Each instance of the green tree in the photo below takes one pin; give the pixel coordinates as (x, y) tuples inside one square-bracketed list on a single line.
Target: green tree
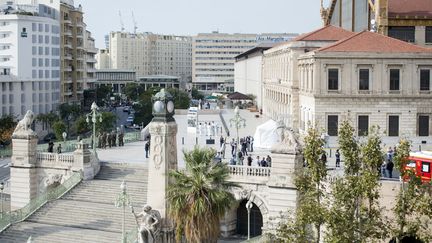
[(7, 126), (143, 110), (199, 196), (181, 98), (47, 120), (310, 183), (197, 95), (413, 203), (81, 125), (133, 91), (69, 111), (108, 122), (103, 94), (59, 127), (355, 214)]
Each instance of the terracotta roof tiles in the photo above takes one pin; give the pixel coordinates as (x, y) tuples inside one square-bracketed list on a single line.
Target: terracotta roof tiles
[(327, 33), (410, 8), (366, 41)]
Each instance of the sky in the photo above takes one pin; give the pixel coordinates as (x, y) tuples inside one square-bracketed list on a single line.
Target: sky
[(189, 17)]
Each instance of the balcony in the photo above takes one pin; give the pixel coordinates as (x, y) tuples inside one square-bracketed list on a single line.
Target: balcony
[(68, 80), (67, 21), (68, 45), (67, 32), (249, 174), (67, 69), (67, 92), (91, 60), (67, 57)]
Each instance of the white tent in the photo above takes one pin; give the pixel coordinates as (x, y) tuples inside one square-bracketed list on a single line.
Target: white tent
[(266, 135)]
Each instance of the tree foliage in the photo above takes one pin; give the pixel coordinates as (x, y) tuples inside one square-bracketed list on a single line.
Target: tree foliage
[(133, 91), (310, 183), (196, 94), (103, 93), (7, 126), (81, 125), (413, 204), (108, 122), (59, 127), (199, 196), (355, 215), (181, 98)]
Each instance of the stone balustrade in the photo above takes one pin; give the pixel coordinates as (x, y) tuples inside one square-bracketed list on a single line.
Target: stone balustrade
[(55, 160), (249, 174)]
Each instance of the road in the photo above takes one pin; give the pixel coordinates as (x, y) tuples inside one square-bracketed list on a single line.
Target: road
[(5, 169)]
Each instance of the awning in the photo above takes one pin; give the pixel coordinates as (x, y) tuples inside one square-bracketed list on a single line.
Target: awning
[(238, 96)]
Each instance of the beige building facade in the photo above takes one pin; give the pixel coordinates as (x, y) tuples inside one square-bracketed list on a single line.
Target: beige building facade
[(151, 54), (367, 78), (76, 54)]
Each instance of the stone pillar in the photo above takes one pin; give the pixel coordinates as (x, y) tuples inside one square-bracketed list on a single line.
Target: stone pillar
[(282, 190), (82, 161), (23, 171), (163, 158)]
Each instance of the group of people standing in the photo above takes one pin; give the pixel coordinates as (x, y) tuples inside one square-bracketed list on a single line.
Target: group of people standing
[(51, 147), (110, 139), (388, 165)]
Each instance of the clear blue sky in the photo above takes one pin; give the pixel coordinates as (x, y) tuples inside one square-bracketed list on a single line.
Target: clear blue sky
[(189, 17)]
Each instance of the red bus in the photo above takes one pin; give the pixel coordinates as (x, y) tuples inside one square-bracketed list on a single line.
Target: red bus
[(421, 163)]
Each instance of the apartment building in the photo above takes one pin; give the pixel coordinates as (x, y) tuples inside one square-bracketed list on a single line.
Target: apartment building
[(410, 21), (29, 59), (152, 54), (214, 57), (103, 59)]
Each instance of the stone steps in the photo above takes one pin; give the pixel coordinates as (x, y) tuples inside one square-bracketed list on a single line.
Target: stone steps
[(87, 213), (47, 233)]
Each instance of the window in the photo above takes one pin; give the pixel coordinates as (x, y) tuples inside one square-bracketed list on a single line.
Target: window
[(40, 62), (34, 50), (364, 79), (47, 62), (47, 39), (404, 33), (425, 167), (363, 125), (40, 38), (47, 50), (423, 125), (34, 62), (34, 75), (424, 79), (34, 28), (40, 27), (33, 38), (393, 128), (394, 79), (332, 125), (40, 50), (428, 36), (46, 27), (333, 79)]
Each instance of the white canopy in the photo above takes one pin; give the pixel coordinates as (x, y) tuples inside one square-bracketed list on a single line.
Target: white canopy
[(266, 135)]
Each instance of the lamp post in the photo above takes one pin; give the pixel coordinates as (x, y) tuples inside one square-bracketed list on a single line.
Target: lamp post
[(249, 206), (123, 201), (94, 115), (1, 197), (237, 121)]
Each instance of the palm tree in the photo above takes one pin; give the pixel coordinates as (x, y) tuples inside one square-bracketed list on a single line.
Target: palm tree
[(199, 196)]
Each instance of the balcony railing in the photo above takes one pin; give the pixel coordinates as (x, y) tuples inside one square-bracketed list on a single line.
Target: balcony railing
[(249, 174)]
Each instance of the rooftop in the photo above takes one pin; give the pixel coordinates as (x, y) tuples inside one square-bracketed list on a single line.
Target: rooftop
[(366, 41), (327, 33), (259, 48), (410, 8)]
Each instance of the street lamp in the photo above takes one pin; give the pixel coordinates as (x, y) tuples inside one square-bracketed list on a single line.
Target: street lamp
[(123, 201), (1, 197), (237, 121), (249, 206), (94, 114)]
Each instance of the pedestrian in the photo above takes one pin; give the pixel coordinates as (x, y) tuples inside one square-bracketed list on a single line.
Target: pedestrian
[(233, 145), (50, 147), (389, 154), (233, 161), (268, 161), (324, 158), (249, 160), (147, 148), (337, 154), (257, 161), (221, 140), (263, 162), (222, 151), (59, 149), (389, 168), (251, 143), (244, 147)]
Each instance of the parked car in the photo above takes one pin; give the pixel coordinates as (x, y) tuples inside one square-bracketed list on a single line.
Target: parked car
[(130, 119), (126, 109)]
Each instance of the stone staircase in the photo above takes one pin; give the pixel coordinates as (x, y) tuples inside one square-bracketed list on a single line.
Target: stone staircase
[(87, 213)]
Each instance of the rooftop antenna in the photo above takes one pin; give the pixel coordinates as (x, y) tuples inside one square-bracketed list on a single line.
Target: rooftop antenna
[(135, 23), (121, 22)]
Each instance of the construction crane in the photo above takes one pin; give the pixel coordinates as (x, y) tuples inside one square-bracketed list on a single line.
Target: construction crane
[(135, 23), (121, 22)]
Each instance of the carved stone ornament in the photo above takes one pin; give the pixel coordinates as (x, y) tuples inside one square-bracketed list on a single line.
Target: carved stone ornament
[(289, 143), (149, 223), (23, 126)]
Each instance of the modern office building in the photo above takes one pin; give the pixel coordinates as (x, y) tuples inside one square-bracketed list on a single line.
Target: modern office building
[(162, 81), (410, 21), (115, 78), (103, 59), (29, 59), (152, 54), (77, 53), (214, 57)]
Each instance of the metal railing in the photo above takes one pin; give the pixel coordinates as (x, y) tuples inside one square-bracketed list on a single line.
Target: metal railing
[(9, 218)]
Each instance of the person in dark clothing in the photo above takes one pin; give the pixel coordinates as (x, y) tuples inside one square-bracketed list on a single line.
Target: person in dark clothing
[(264, 162), (147, 148), (337, 154), (222, 141), (389, 168), (249, 160), (324, 158), (50, 147)]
